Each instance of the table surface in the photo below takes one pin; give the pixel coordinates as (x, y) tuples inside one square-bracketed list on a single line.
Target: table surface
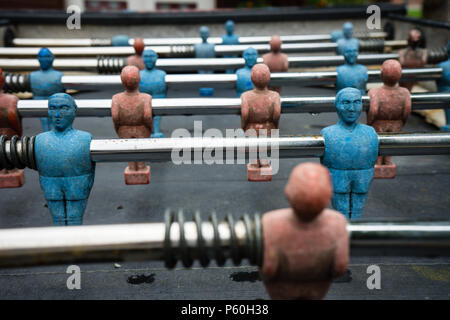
[(420, 190)]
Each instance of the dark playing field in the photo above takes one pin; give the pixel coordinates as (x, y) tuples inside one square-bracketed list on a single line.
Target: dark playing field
[(420, 190)]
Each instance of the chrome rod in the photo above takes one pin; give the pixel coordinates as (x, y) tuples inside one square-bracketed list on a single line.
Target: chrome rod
[(21, 82), (211, 106), (145, 241), (125, 150), (54, 42), (229, 80), (108, 64), (416, 238), (188, 50)]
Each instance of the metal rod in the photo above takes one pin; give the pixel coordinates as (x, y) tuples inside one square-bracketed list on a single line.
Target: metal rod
[(188, 50), (135, 242), (143, 241), (115, 64), (54, 42), (21, 82), (126, 150), (399, 238), (211, 106), (229, 80)]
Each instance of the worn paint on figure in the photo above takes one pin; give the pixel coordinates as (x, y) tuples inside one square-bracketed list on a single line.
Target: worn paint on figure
[(131, 113), (136, 59), (275, 59), (390, 107), (260, 110), (304, 269), (351, 150), (10, 125)]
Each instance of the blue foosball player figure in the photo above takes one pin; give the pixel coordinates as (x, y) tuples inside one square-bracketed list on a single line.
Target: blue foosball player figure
[(337, 34), (153, 82), (244, 75), (443, 85), (66, 172), (229, 39), (205, 50), (45, 82), (351, 74), (347, 39), (351, 151), (120, 40)]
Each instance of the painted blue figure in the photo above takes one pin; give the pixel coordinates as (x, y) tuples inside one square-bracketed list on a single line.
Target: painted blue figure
[(244, 75), (45, 82), (351, 74), (336, 35), (444, 85), (205, 50), (120, 40), (351, 150), (66, 172), (229, 39), (153, 82), (343, 43)]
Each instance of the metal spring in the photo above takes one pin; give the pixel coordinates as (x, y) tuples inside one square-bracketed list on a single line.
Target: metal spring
[(253, 251), (110, 65), (374, 45), (362, 34), (437, 55), (182, 51), (16, 82), (17, 152)]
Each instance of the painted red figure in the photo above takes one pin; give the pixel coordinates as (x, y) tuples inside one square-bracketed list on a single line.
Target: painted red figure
[(275, 59), (412, 56), (136, 60), (131, 113), (390, 107), (10, 125), (260, 112), (305, 246)]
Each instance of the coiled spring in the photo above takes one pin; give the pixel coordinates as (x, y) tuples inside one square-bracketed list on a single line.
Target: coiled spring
[(253, 249), (362, 35), (17, 152), (374, 45), (182, 51), (110, 65), (437, 55), (15, 82)]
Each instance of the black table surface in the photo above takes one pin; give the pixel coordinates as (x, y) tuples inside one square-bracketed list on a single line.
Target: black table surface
[(420, 190)]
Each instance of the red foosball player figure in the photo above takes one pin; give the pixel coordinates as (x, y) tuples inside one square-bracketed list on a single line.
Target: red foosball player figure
[(306, 246), (136, 59), (260, 113), (390, 107), (412, 56), (275, 59), (131, 113), (10, 125)]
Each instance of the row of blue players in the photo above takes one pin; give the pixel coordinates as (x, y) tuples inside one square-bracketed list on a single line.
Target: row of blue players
[(47, 81)]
